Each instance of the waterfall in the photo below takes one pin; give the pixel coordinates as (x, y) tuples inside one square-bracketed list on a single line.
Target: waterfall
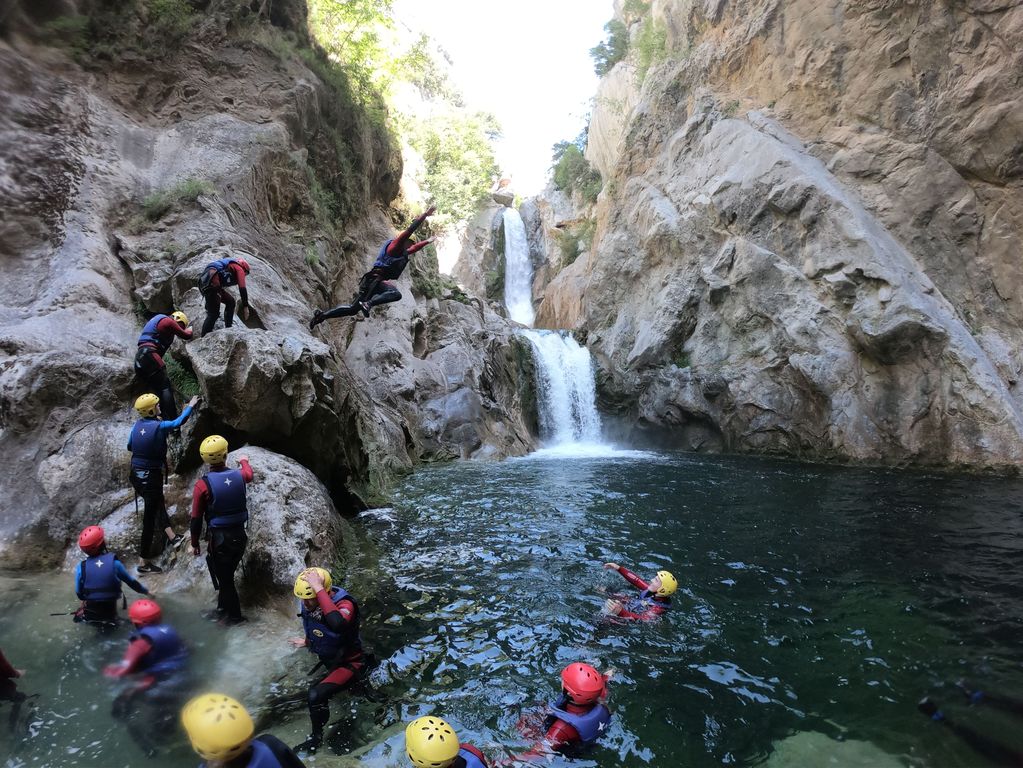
[(566, 396), (518, 269)]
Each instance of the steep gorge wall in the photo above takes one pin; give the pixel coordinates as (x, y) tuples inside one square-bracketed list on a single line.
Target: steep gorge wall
[(231, 108), (810, 234)]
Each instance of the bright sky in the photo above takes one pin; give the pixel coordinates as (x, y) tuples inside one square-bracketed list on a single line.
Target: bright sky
[(527, 62)]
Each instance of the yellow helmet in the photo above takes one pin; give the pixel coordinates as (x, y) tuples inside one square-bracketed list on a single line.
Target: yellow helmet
[(668, 584), (302, 588), (181, 317), (213, 450), (218, 726), (146, 405), (431, 743)]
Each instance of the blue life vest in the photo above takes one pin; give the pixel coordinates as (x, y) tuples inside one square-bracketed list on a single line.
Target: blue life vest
[(262, 756), (167, 655), (472, 760), (150, 336), (148, 444), (227, 275), (321, 639), (590, 726), (227, 499), (391, 265), (99, 580)]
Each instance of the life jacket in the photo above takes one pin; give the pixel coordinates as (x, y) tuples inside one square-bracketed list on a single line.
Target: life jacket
[(149, 334), (227, 499), (590, 726), (391, 265), (262, 756), (168, 653), (99, 579), (472, 756), (645, 602), (148, 444), (321, 639), (222, 270)]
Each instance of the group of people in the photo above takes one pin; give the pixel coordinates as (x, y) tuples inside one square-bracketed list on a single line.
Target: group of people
[(156, 660)]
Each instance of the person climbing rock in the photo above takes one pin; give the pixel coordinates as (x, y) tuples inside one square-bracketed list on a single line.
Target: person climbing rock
[(219, 498), (213, 282), (431, 743), (98, 579), (157, 336), (995, 751), (8, 674), (221, 732), (374, 288), (576, 719), (654, 598), (148, 445), (330, 618), (158, 660)]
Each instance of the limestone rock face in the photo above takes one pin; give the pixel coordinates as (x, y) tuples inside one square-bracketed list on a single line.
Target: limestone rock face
[(809, 235), (119, 185), (480, 266)]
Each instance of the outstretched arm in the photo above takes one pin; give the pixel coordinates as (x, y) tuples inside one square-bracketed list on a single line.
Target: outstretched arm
[(132, 658), (419, 246), (630, 577), (123, 575), (398, 243)]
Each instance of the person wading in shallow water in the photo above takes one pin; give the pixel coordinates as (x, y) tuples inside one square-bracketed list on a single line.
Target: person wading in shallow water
[(219, 499), (431, 743), (157, 659), (997, 753), (148, 445), (98, 580), (330, 618), (156, 338), (221, 732), (374, 288), (654, 598)]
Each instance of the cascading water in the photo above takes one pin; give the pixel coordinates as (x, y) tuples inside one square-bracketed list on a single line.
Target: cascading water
[(564, 369), (518, 270)]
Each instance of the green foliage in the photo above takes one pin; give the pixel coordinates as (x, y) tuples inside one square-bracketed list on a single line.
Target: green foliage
[(156, 205), (68, 31), (651, 46), (730, 108), (633, 10), (612, 49), (419, 67), (681, 359), (460, 163), (351, 34), (573, 172), (312, 256), (169, 20), (182, 378), (568, 246)]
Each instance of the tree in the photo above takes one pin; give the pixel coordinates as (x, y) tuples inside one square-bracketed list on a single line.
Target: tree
[(613, 49)]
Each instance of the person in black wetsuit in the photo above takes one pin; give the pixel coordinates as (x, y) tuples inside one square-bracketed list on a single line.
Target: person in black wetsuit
[(994, 751), (374, 288), (222, 731)]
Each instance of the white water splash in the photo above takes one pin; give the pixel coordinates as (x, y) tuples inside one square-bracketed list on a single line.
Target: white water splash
[(518, 269), (566, 394)]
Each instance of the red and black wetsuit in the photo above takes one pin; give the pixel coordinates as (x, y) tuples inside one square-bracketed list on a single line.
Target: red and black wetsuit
[(216, 293), (226, 535), (8, 674), (339, 613), (374, 288), (647, 607), (156, 338)]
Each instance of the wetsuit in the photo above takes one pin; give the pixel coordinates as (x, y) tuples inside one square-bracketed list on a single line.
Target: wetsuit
[(469, 757), (217, 276), (159, 656), (148, 445), (374, 288), (332, 633), (98, 582), (219, 499), (568, 728), (8, 674), (646, 607), (266, 751), (996, 752), (156, 337)]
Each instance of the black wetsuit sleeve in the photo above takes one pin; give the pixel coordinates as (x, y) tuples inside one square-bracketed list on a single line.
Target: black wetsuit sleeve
[(244, 294), (281, 751)]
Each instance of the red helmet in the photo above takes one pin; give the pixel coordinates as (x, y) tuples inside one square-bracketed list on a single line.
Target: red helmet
[(91, 540), (582, 683), (144, 612), (244, 265)]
